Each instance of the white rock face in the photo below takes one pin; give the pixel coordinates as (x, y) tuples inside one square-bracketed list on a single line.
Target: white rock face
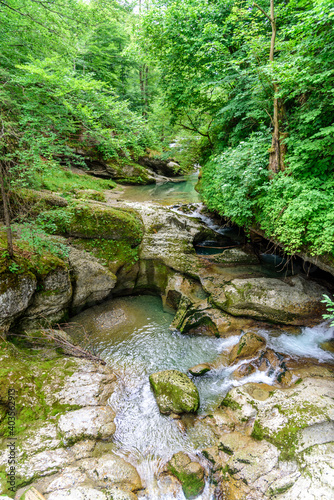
[(298, 462), (91, 384), (91, 422)]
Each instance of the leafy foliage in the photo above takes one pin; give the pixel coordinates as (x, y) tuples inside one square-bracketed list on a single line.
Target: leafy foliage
[(219, 82)]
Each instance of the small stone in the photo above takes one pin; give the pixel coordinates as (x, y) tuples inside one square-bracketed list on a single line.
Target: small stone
[(249, 345), (200, 369)]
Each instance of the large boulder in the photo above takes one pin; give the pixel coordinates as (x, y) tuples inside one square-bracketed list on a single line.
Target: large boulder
[(93, 282), (168, 167), (93, 220), (16, 291), (50, 302), (293, 301), (174, 392), (190, 474)]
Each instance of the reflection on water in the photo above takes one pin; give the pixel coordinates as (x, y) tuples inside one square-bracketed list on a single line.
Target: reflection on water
[(168, 193)]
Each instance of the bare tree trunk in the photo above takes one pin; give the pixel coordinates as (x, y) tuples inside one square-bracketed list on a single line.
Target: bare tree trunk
[(6, 211), (276, 159)]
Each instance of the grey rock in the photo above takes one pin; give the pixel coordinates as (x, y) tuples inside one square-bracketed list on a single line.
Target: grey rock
[(16, 291), (111, 470), (293, 301), (50, 303), (93, 282)]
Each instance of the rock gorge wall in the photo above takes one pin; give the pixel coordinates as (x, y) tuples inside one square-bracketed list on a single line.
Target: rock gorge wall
[(215, 296)]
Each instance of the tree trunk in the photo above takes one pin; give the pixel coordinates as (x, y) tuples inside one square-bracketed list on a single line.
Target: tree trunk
[(6, 211), (276, 159), (275, 154)]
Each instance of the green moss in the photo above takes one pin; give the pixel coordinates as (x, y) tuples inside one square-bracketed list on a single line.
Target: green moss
[(191, 484), (65, 181), (228, 402), (29, 373), (225, 449), (113, 254), (279, 491), (26, 259), (258, 431)]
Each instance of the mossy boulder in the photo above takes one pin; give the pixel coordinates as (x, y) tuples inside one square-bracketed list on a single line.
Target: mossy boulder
[(174, 392), (199, 370), (190, 474), (129, 173), (96, 221), (248, 346)]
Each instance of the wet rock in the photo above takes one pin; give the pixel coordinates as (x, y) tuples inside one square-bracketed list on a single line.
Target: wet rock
[(190, 474), (111, 470), (249, 345), (93, 282), (168, 168), (236, 256), (16, 291), (199, 370), (92, 422), (50, 302), (328, 345), (293, 301), (174, 392), (285, 378)]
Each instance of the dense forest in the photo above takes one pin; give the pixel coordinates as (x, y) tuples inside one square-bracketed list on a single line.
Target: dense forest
[(246, 89)]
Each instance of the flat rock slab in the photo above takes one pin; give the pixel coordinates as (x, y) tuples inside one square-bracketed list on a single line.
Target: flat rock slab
[(90, 422), (174, 392)]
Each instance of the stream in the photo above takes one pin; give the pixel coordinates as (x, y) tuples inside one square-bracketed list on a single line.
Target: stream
[(133, 335)]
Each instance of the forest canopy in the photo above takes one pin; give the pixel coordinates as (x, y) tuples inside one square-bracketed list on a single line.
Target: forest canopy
[(247, 88)]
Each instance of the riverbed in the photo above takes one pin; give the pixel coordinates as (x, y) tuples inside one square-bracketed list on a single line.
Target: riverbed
[(133, 335)]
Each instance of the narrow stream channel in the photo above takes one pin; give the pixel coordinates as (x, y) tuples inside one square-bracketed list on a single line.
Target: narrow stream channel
[(133, 335)]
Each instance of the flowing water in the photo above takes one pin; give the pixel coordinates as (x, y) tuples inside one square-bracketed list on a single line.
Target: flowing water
[(133, 335)]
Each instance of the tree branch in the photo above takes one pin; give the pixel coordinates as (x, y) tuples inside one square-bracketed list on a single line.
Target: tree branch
[(263, 12)]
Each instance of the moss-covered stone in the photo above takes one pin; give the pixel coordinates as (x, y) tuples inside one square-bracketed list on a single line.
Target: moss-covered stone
[(96, 222), (190, 474), (174, 392), (129, 173)]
